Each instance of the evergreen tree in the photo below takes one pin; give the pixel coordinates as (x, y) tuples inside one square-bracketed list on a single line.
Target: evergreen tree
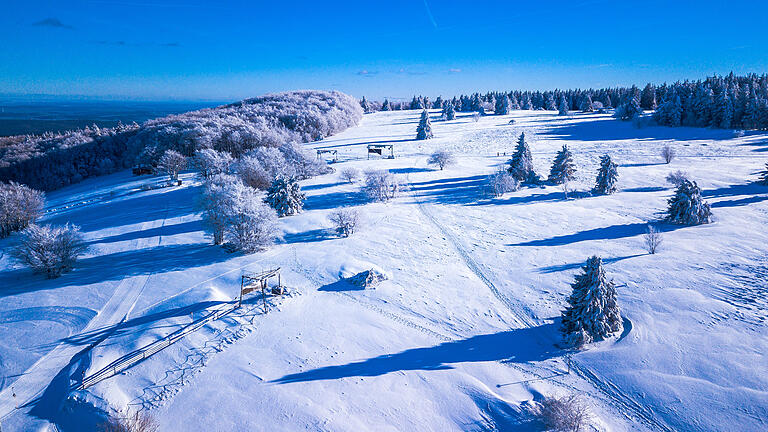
[(416, 103), (687, 207), (502, 105), (438, 103), (385, 106), (648, 98), (630, 109), (549, 102), (669, 113), (562, 107), (593, 312), (563, 169), (586, 103), (521, 164), (722, 115), (448, 112), (764, 176), (285, 196), (526, 103), (513, 103), (365, 105), (424, 130), (607, 176)]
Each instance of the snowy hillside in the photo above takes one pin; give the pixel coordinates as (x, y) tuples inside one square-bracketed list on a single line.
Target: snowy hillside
[(461, 336)]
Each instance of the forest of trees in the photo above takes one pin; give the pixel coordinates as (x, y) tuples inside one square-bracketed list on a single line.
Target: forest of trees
[(53, 160), (728, 102)]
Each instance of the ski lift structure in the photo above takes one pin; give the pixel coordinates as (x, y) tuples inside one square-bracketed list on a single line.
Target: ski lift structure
[(334, 154), (251, 282), (386, 151)]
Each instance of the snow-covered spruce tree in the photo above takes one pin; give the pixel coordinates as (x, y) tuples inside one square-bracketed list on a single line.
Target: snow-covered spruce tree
[(449, 113), (171, 162), (586, 104), (285, 196), (629, 109), (441, 158), (51, 250), (365, 105), (562, 106), (385, 106), (592, 312), (607, 176), (19, 206), (648, 97), (502, 105), (424, 130), (669, 113), (521, 164), (563, 168), (687, 207), (764, 176)]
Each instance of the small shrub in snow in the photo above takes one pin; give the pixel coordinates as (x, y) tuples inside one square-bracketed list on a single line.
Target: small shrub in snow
[(442, 158), (19, 207), (687, 206), (345, 221), (424, 129), (652, 239), (564, 414), (380, 185), (210, 162), (592, 312), (285, 196), (171, 162), (521, 164), (764, 176), (367, 279), (678, 177), (607, 176), (350, 174), (51, 250), (668, 153), (502, 182), (139, 422), (563, 169)]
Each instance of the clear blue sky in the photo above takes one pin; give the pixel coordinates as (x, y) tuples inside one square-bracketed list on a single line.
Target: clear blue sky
[(227, 50)]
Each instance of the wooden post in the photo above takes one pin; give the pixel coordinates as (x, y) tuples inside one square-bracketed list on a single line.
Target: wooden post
[(264, 294), (242, 283)]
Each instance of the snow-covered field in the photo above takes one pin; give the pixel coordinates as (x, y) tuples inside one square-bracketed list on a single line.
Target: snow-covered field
[(460, 337)]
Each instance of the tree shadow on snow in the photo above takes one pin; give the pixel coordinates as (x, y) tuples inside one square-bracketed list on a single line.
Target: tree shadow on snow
[(499, 415), (613, 130), (334, 200), (513, 346), (576, 265), (311, 236), (165, 230), (340, 286), (605, 233), (455, 190)]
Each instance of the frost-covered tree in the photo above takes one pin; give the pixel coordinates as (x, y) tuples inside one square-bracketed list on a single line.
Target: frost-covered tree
[(668, 153), (251, 225), (285, 196), (210, 162), (380, 185), (629, 109), (365, 105), (171, 163), (764, 176), (19, 206), (438, 103), (687, 207), (502, 182), (586, 103), (669, 113), (424, 130), (503, 105), (549, 102), (441, 158), (607, 176), (593, 312), (678, 177), (563, 168), (345, 221), (350, 174), (648, 97), (526, 103), (521, 164), (51, 250), (449, 113), (385, 106), (562, 106), (214, 202)]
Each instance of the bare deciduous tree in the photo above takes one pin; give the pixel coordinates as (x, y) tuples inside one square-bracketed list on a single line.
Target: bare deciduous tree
[(171, 162), (51, 250), (678, 177), (564, 414), (350, 174), (668, 153), (652, 239), (502, 182), (345, 221), (380, 185), (442, 158), (139, 422), (19, 207)]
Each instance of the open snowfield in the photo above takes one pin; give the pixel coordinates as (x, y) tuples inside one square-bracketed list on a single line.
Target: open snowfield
[(460, 337)]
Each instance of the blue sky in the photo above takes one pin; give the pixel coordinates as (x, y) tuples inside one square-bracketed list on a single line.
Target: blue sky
[(228, 50)]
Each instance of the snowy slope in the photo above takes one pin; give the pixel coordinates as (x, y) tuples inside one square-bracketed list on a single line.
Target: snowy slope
[(462, 335)]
